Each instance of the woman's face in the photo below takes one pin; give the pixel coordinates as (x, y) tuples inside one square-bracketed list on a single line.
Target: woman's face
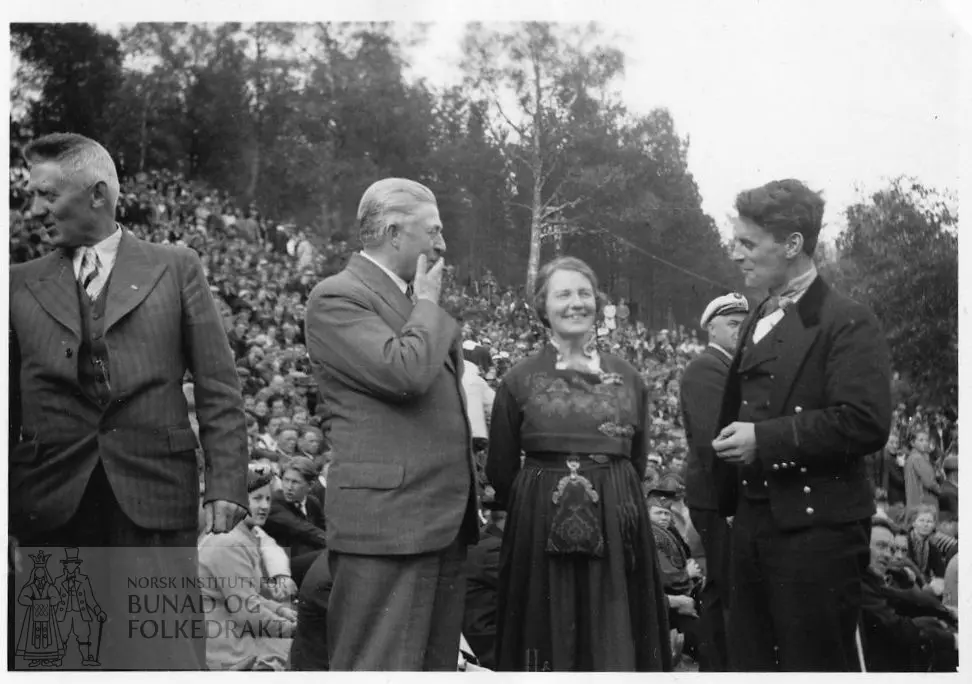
[(295, 487), (892, 445), (925, 524), (660, 516), (922, 443), (570, 304), (260, 409), (260, 505)]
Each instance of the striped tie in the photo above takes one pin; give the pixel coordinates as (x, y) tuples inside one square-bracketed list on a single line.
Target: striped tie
[(90, 269)]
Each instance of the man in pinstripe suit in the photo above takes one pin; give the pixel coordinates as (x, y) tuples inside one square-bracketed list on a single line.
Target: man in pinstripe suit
[(102, 332)]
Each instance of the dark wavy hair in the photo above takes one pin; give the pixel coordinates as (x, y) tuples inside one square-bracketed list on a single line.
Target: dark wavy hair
[(784, 207)]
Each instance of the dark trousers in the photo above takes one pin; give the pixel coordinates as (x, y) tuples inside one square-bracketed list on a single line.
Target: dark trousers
[(714, 597), (111, 544), (396, 613), (795, 596)]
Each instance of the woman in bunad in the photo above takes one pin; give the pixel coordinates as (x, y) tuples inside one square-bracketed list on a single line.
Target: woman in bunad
[(580, 586)]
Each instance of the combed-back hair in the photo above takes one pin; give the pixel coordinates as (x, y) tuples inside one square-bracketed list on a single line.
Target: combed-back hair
[(386, 201), (82, 159), (784, 207)]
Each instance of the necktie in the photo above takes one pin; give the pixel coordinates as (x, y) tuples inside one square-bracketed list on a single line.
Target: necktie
[(90, 269), (410, 292)]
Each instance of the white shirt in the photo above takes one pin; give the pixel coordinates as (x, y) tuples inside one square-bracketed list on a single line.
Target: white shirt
[(402, 285), (479, 399), (793, 291), (107, 251)]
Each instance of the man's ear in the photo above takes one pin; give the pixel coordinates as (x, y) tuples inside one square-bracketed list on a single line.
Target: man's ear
[(99, 195), (794, 245)]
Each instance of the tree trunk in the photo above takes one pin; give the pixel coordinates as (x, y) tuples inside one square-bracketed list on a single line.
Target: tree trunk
[(536, 217), (143, 133)]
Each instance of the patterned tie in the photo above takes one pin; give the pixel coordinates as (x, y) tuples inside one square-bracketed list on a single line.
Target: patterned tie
[(90, 269)]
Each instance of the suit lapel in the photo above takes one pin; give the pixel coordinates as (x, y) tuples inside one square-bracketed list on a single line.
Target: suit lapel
[(379, 283), (796, 333), (132, 279), (56, 290)]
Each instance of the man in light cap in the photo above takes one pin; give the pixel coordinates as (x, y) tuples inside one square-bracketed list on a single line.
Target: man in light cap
[(701, 396)]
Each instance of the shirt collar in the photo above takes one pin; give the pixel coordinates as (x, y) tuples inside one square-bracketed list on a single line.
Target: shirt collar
[(399, 283), (106, 250), (590, 355), (796, 288)]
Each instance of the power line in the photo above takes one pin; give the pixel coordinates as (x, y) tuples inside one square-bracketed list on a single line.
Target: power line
[(644, 251)]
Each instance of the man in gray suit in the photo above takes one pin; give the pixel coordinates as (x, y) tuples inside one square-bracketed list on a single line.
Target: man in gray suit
[(401, 504), (102, 332)]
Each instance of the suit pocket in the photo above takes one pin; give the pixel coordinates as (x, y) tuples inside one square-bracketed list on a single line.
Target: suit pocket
[(368, 475), (24, 453), (182, 439)]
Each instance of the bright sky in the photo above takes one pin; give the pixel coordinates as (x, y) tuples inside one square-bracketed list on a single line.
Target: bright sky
[(842, 94)]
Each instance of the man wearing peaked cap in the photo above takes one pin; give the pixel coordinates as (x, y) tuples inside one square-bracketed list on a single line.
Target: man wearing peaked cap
[(701, 396)]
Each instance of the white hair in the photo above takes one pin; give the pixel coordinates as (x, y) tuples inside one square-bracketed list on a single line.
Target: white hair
[(387, 199), (82, 160)]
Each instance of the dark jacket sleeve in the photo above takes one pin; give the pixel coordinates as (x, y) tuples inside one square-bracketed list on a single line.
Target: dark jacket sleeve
[(503, 461), (856, 416), (219, 398), (288, 529), (14, 407), (701, 391)]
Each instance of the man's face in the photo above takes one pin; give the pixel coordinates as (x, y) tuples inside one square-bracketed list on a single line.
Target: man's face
[(760, 257), (724, 330), (420, 232), (279, 408), (61, 205), (899, 548), (287, 441), (922, 443), (310, 443), (881, 549)]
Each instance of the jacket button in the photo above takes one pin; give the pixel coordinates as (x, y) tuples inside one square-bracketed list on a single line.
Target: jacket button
[(776, 466), (745, 483), (766, 483), (806, 490), (803, 470), (798, 409), (809, 511)]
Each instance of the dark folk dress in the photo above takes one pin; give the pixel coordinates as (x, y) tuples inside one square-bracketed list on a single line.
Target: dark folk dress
[(580, 586)]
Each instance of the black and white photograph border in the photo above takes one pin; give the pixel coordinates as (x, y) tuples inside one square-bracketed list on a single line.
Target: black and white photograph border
[(866, 102)]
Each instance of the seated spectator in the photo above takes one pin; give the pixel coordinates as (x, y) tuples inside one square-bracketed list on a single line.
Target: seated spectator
[(286, 438), (948, 496), (256, 635), (681, 575), (309, 652), (921, 522), (482, 591), (945, 536), (894, 642), (950, 595), (292, 514), (310, 442)]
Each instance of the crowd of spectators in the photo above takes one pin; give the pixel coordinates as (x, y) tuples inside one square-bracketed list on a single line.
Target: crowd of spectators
[(261, 272)]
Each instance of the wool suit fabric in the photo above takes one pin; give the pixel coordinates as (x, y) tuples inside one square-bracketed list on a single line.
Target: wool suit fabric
[(117, 467), (401, 503)]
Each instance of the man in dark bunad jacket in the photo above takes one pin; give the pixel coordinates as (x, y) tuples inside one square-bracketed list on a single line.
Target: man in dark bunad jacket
[(808, 397), (702, 385)]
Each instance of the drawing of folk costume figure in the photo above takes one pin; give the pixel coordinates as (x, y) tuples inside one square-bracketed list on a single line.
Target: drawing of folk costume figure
[(78, 607), (40, 640)]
